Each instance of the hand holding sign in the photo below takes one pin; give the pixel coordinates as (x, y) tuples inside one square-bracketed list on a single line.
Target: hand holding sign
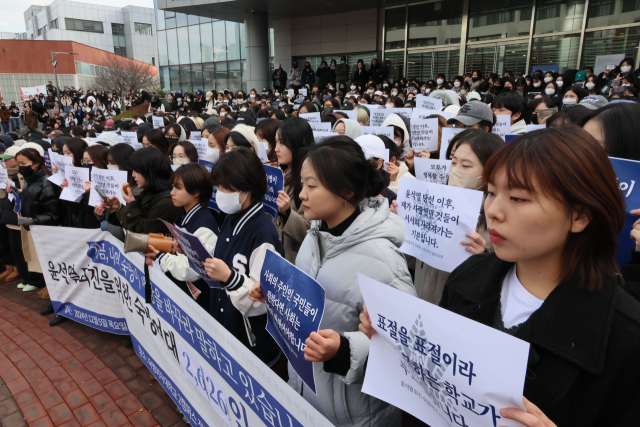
[(322, 345), (635, 231), (217, 269)]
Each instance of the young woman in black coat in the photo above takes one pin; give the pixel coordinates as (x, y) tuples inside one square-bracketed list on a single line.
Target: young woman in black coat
[(553, 211)]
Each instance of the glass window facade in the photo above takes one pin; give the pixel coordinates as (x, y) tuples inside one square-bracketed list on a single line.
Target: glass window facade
[(83, 25), (143, 29), (423, 39), (119, 45), (195, 52)]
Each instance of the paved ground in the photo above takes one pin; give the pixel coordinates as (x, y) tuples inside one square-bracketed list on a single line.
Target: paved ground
[(71, 375)]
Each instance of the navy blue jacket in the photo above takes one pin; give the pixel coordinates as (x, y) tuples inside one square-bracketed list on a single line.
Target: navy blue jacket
[(242, 243)]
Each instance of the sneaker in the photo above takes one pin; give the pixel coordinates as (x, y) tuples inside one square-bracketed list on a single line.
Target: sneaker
[(21, 286), (29, 288)]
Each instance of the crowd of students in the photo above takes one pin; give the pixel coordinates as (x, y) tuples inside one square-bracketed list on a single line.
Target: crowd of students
[(543, 267)]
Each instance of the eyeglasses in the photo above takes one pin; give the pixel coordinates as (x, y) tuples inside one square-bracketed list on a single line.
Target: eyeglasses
[(86, 162), (172, 136), (177, 156)]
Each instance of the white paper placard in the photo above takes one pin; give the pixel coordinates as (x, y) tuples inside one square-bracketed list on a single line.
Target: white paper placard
[(447, 135), (201, 147), (436, 218), (603, 60), (130, 138), (263, 152), (76, 178), (311, 117), (378, 130), (302, 92), (432, 170), (320, 127), (4, 177), (379, 116), (502, 126), (158, 122), (428, 103), (424, 134), (110, 182), (351, 114), (194, 136), (437, 365), (421, 113)]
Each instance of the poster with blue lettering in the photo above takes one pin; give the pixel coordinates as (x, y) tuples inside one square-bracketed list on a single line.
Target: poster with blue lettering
[(212, 201), (510, 137), (628, 172), (295, 303), (275, 183), (195, 251), (18, 205), (440, 367)]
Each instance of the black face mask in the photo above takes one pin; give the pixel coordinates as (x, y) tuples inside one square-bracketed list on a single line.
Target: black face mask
[(534, 119), (25, 171), (475, 79)]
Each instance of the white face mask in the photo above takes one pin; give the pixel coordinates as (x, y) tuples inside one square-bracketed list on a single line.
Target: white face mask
[(548, 79), (222, 114), (456, 84), (549, 91), (352, 87), (213, 154), (559, 83), (569, 101), (179, 161), (439, 81), (253, 95), (371, 91), (388, 105), (590, 85), (463, 91), (625, 68), (385, 85), (229, 202), (537, 84), (113, 167), (394, 92), (470, 181)]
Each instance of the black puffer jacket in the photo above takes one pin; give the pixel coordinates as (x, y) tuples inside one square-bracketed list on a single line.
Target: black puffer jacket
[(41, 200)]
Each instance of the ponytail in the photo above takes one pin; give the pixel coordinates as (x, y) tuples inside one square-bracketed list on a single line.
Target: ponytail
[(340, 165)]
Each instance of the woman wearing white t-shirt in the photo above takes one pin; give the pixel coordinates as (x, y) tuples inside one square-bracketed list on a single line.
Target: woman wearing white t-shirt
[(553, 211)]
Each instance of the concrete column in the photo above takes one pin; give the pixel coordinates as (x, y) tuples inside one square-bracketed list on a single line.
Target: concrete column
[(256, 27)]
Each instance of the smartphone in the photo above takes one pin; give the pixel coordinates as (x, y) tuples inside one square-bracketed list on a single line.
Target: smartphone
[(615, 83), (547, 112), (102, 195), (619, 89)]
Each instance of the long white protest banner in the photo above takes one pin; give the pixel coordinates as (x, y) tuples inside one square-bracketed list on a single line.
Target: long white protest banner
[(436, 218), (440, 367), (26, 92), (212, 377)]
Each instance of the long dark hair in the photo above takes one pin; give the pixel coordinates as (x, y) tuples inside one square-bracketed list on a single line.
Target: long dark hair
[(157, 139), (570, 166), (77, 147), (33, 155), (296, 134), (267, 129), (98, 155), (621, 127), (340, 165), (154, 166)]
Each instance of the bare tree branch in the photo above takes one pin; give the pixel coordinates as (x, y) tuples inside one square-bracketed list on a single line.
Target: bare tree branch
[(124, 75)]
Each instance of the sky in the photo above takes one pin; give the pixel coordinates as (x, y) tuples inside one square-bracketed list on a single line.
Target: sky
[(12, 11)]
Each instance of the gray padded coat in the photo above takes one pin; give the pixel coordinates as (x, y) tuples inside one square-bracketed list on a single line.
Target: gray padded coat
[(369, 246)]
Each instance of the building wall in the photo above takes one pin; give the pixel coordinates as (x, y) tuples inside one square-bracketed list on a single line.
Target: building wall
[(335, 34), (20, 70), (140, 47)]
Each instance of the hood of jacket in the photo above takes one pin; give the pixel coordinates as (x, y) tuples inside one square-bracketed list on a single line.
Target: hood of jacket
[(519, 127), (404, 124), (352, 128)]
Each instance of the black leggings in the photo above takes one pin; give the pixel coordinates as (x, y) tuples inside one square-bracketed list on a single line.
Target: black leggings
[(5, 246)]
